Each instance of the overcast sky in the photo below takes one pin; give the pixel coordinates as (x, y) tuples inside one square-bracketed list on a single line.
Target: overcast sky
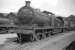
[(59, 7)]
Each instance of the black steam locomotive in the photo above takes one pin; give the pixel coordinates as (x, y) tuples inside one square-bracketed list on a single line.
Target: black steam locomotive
[(35, 25)]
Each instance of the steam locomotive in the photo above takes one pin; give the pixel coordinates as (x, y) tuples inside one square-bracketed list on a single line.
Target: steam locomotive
[(37, 25), (34, 25)]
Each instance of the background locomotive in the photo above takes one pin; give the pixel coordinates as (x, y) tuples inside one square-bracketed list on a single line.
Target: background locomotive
[(33, 24)]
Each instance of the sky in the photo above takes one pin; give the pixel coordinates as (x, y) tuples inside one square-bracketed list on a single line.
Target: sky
[(59, 7)]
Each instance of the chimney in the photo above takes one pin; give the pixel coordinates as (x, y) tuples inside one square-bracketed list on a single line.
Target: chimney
[(28, 3)]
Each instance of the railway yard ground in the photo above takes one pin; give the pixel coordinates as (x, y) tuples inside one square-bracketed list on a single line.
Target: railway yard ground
[(56, 42)]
